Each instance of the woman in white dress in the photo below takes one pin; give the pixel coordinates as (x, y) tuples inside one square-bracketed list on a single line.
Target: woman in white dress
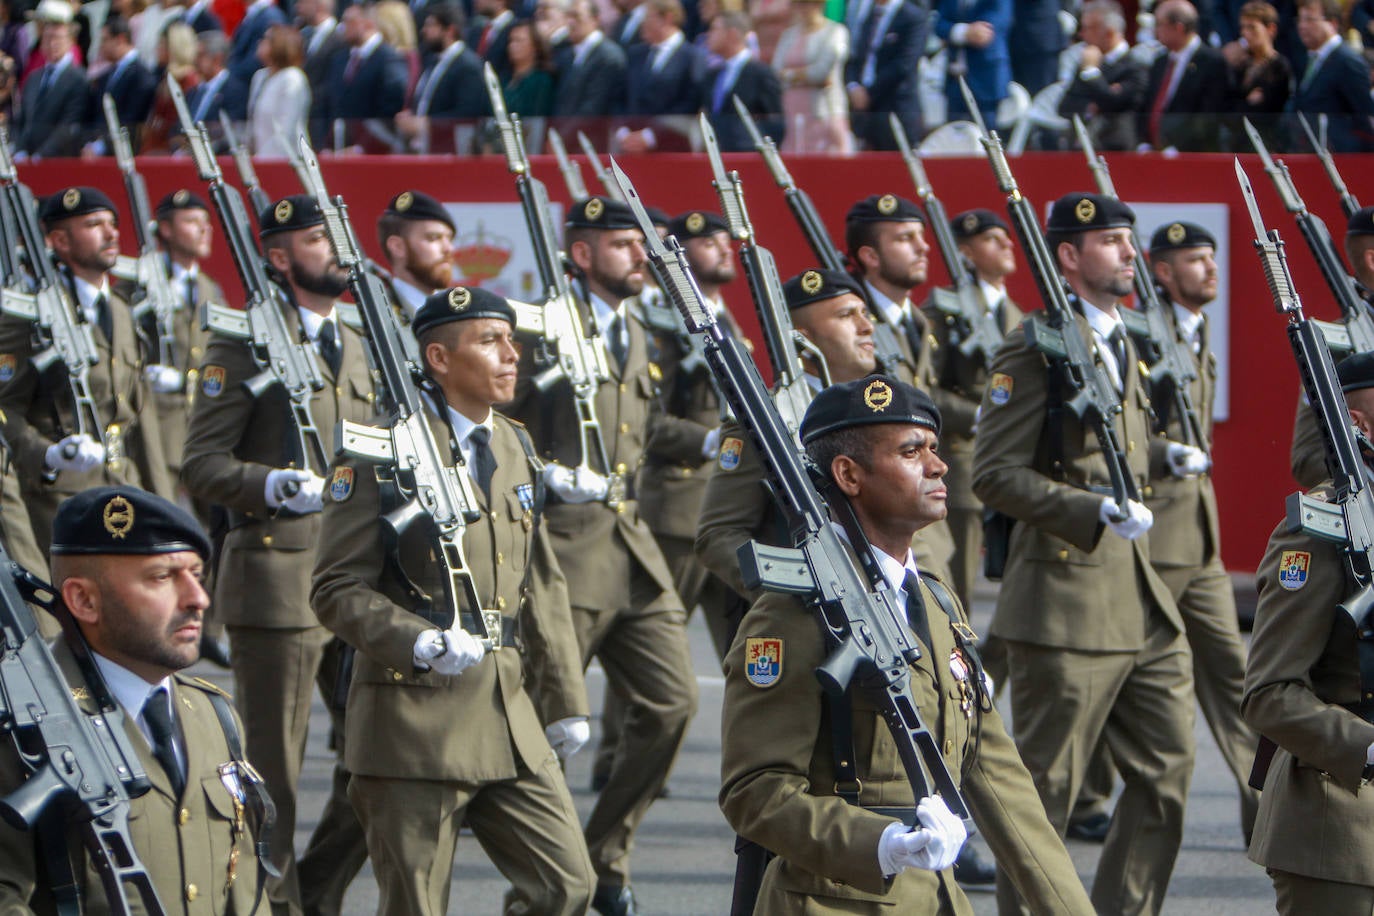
[(279, 95), (810, 60)]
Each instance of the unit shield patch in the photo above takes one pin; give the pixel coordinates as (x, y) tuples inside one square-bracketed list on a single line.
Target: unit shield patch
[(1293, 566), (763, 660)]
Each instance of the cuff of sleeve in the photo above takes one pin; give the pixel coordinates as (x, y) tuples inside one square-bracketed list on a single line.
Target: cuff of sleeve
[(958, 33)]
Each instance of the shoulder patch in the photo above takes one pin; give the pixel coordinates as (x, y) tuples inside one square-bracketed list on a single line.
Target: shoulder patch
[(1293, 566), (8, 364), (1000, 387), (341, 483), (730, 451), (212, 381), (763, 660)]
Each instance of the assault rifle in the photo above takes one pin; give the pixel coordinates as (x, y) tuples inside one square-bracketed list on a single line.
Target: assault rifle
[(59, 335), (863, 625), (979, 333), (244, 163), (1349, 205), (281, 355), (571, 171), (1087, 391), (1355, 332), (599, 170), (570, 347), (81, 769), (1172, 367), (433, 493), (155, 298)]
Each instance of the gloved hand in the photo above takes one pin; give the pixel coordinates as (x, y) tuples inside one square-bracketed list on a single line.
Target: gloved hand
[(567, 736), (575, 485), (449, 652), (1137, 521), (1186, 460), (79, 453), (934, 847), (1369, 756), (711, 447), (305, 497), (163, 379)]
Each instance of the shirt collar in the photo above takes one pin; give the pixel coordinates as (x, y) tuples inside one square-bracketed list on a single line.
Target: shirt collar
[(1327, 47), (366, 48), (1189, 322), (1185, 53), (893, 312), (86, 294), (181, 274), (739, 59), (311, 322), (1115, 54), (894, 570), (129, 690), (591, 41), (1102, 323), (604, 312), (463, 427), (669, 45)]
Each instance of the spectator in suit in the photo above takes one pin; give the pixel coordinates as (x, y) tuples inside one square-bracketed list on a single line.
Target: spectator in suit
[(809, 59), (975, 34), (127, 81), (1188, 86), (593, 85), (323, 39), (450, 87), (199, 16), (279, 99), (1036, 39), (628, 29), (551, 21), (889, 37), (664, 83), (1110, 85), (529, 91), (53, 105), (1261, 79), (367, 86), (243, 54), (207, 100), (742, 75), (488, 36), (1334, 83)]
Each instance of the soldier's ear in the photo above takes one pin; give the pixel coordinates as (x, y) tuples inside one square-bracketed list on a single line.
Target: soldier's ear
[(847, 474), (581, 254), (82, 598)]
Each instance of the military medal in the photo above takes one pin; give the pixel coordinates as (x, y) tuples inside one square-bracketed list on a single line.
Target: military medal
[(958, 666)]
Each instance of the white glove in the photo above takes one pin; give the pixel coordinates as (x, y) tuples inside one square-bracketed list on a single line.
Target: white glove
[(79, 453), (575, 485), (933, 848), (308, 495), (567, 736), (711, 447), (163, 379), (1137, 521), (1369, 756), (449, 652), (1187, 461)]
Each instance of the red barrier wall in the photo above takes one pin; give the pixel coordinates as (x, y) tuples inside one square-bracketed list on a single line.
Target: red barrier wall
[(1251, 451)]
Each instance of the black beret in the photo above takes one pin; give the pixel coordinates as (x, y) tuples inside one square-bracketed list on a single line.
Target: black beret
[(1356, 372), (975, 222), (697, 224), (1180, 235), (867, 401), (601, 213), (658, 216), (125, 520), (299, 211), (1085, 211), (74, 202), (1361, 222), (812, 286), (460, 303), (418, 205), (180, 200), (884, 208)]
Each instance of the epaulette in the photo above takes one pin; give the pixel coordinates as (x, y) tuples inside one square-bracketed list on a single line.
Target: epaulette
[(207, 686)]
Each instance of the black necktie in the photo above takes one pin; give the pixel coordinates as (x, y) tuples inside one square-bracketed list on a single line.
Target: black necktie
[(328, 341), (157, 712), (483, 461), (102, 317), (615, 339), (1117, 341), (916, 608), (191, 295)]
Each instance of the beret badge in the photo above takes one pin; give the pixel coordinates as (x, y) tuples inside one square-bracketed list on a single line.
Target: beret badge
[(118, 517)]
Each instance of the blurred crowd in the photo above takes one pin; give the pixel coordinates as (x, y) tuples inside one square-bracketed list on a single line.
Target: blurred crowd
[(818, 76)]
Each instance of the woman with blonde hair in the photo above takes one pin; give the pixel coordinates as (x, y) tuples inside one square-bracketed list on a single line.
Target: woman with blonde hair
[(279, 96), (397, 25), (810, 61), (176, 54)]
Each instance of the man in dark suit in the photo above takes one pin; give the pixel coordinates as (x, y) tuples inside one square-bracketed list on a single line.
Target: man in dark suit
[(664, 83), (740, 74), (489, 34), (207, 99), (1188, 85), (551, 21), (450, 87), (128, 82), (975, 34), (322, 39), (1334, 83), (48, 119), (199, 16), (889, 37), (368, 84), (243, 54), (593, 85), (1036, 38), (628, 30), (1110, 85)]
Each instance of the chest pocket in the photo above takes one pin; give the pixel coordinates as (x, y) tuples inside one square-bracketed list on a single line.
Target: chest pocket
[(513, 539)]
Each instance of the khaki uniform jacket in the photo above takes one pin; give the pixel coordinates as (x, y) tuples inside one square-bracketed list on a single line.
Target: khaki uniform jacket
[(625, 407), (37, 414), (191, 342), (1307, 458), (1063, 584), (777, 779), (1315, 812), (233, 442), (1187, 528), (481, 726), (961, 381), (199, 862)]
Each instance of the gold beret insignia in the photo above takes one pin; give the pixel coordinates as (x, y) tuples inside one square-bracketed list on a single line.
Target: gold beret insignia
[(404, 202), (594, 209), (181, 198), (282, 213), (811, 282), (970, 223), (1176, 233), (878, 396), (1085, 211), (118, 517), (887, 205), (71, 199), (459, 298), (695, 223)]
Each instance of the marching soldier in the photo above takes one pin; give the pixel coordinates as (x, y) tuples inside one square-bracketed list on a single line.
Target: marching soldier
[(415, 233), (1095, 643), (428, 746), (54, 460), (854, 855), (241, 454), (625, 610), (133, 587)]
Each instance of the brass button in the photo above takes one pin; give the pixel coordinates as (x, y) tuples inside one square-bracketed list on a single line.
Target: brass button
[(621, 468), (622, 387), (620, 509), (370, 397), (949, 746), (267, 540), (1130, 446), (397, 676), (500, 602), (183, 816), (192, 892), (1148, 492), (500, 558), (624, 428), (1063, 553), (338, 391), (686, 472), (196, 352)]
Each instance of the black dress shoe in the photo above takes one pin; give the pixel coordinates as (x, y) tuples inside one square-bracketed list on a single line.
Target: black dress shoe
[(1091, 829), (614, 901), (971, 869), (214, 650)]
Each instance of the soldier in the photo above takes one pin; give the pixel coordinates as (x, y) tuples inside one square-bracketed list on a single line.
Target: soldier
[(625, 610), (134, 592), (1303, 690), (53, 458), (1095, 643), (415, 233), (429, 748), (241, 453), (839, 855)]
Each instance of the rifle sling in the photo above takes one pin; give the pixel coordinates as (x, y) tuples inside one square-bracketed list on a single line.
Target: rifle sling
[(260, 808)]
